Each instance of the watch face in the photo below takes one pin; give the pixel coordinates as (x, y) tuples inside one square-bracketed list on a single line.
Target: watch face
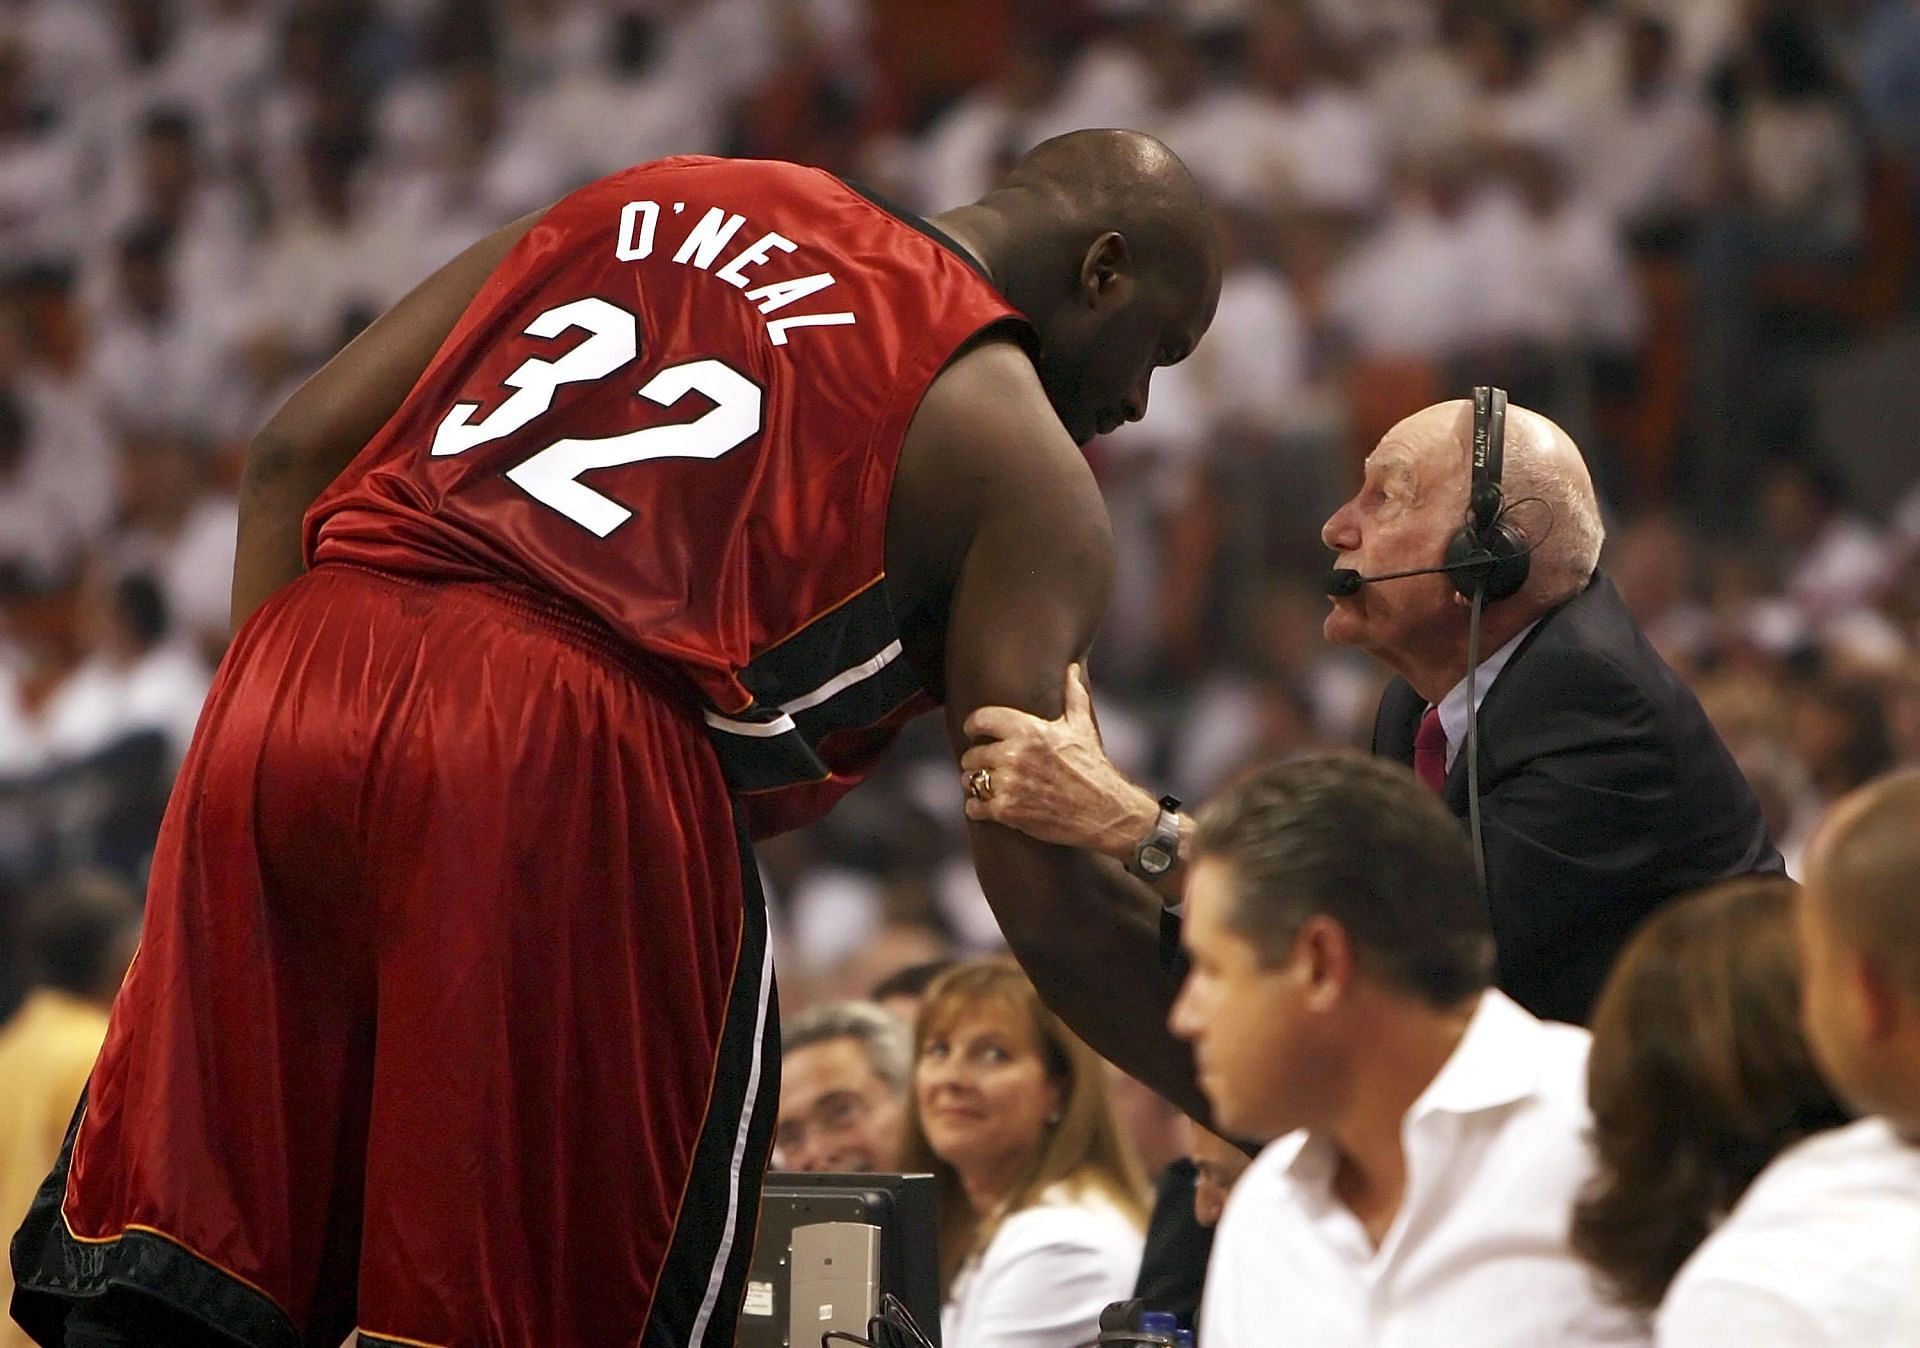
[(1155, 860)]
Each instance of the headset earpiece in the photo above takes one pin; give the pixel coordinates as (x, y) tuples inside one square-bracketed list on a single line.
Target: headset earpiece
[(1491, 554)]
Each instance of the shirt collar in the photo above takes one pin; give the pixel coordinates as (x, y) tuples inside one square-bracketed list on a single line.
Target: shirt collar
[(1453, 707), (1495, 1064)]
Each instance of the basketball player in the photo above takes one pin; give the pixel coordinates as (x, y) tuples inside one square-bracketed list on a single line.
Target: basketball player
[(640, 529)]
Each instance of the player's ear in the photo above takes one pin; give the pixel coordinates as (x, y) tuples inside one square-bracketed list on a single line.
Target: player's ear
[(1106, 270)]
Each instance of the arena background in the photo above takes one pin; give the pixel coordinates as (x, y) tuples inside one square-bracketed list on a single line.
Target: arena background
[(1683, 228)]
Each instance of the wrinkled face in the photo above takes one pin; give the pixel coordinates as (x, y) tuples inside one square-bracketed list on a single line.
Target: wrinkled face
[(983, 1093), (1412, 500), (836, 1113), (1245, 1019), (1098, 352), (1833, 1006)]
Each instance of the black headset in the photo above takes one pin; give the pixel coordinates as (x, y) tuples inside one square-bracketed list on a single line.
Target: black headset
[(1489, 555)]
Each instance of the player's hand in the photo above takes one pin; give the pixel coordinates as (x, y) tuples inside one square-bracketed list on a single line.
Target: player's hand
[(1053, 780)]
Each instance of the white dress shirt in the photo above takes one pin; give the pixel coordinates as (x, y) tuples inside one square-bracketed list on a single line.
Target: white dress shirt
[(1822, 1249), (1045, 1276), (1496, 1153)]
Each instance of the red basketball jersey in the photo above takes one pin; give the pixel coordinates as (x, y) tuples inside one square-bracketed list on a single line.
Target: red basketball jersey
[(677, 405)]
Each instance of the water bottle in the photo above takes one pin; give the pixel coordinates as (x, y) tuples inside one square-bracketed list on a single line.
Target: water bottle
[(1183, 1338), (1154, 1329), (1159, 1327)]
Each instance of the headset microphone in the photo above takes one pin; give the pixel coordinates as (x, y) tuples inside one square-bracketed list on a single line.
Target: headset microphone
[(1344, 580)]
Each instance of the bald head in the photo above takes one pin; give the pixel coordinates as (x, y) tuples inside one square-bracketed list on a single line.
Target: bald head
[(1128, 182), (1544, 479), (1103, 241), (1863, 867)]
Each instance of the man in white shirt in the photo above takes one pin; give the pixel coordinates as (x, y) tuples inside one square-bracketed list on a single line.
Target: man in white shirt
[(1429, 1133), (1859, 933)]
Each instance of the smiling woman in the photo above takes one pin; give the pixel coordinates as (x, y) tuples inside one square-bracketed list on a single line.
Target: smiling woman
[(1041, 1206)]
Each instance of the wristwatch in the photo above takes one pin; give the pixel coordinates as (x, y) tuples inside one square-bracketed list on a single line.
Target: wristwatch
[(1155, 854)]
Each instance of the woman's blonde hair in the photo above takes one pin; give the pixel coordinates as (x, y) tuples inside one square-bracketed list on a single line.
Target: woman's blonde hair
[(1083, 1151)]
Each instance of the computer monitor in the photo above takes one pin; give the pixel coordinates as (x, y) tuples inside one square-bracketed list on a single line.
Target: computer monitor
[(900, 1205)]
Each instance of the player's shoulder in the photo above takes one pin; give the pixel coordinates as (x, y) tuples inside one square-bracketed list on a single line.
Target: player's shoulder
[(764, 177), (987, 417)]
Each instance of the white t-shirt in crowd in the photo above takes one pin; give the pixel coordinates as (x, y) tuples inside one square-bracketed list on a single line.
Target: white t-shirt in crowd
[(1496, 1154), (1822, 1249), (1045, 1276)]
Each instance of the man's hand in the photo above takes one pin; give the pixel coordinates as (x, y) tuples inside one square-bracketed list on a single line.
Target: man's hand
[(1052, 780)]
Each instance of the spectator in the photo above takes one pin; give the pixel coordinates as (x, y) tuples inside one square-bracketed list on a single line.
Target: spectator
[(1406, 290), (1821, 1248), (80, 936), (1840, 732), (1303, 140), (1040, 1206), (157, 361), (1217, 1166), (1832, 562), (56, 456), (843, 1090), (1859, 934), (900, 992), (1187, 1202), (1653, 151), (137, 678), (1425, 1135), (1699, 1078), (1859, 929), (41, 163), (175, 527), (1554, 281), (1795, 149)]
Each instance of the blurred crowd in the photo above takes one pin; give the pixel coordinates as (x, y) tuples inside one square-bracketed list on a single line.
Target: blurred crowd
[(1682, 228)]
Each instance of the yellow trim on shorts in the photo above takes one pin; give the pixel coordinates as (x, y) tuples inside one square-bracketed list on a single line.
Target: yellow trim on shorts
[(397, 1338), (175, 1240)]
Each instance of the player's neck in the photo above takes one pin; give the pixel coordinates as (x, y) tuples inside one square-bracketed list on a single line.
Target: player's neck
[(978, 230)]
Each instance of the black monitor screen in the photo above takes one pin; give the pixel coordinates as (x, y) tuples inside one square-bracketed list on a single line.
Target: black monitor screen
[(900, 1205)]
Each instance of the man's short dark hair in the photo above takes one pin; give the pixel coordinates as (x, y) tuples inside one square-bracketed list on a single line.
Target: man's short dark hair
[(1360, 840), (142, 606), (80, 929), (912, 981)]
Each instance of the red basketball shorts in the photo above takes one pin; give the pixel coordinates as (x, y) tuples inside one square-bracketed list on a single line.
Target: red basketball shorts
[(453, 1019)]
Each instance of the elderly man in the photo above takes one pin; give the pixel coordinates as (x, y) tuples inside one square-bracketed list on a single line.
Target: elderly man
[(1604, 790), (844, 1070)]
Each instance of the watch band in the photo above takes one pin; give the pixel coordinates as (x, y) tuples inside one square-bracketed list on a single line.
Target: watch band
[(1158, 852)]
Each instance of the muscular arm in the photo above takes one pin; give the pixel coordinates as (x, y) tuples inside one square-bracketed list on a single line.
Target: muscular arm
[(1034, 572), (326, 422), (1053, 781)]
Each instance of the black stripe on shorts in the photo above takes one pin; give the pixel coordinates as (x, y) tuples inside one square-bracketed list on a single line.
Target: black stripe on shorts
[(704, 1277)]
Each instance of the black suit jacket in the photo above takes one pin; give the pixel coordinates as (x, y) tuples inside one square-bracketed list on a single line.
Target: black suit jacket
[(1604, 792)]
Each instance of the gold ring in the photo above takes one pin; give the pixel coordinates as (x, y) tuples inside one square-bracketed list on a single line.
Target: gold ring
[(980, 783)]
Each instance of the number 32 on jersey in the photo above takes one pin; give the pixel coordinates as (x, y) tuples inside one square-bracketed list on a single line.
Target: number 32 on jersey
[(552, 475)]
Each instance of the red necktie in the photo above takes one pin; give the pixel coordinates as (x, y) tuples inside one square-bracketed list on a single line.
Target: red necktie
[(1430, 751)]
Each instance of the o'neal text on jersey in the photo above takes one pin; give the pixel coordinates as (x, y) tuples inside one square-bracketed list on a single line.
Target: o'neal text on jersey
[(701, 247)]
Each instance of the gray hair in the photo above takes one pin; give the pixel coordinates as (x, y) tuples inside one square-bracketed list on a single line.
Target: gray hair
[(1534, 470), (888, 1045)]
